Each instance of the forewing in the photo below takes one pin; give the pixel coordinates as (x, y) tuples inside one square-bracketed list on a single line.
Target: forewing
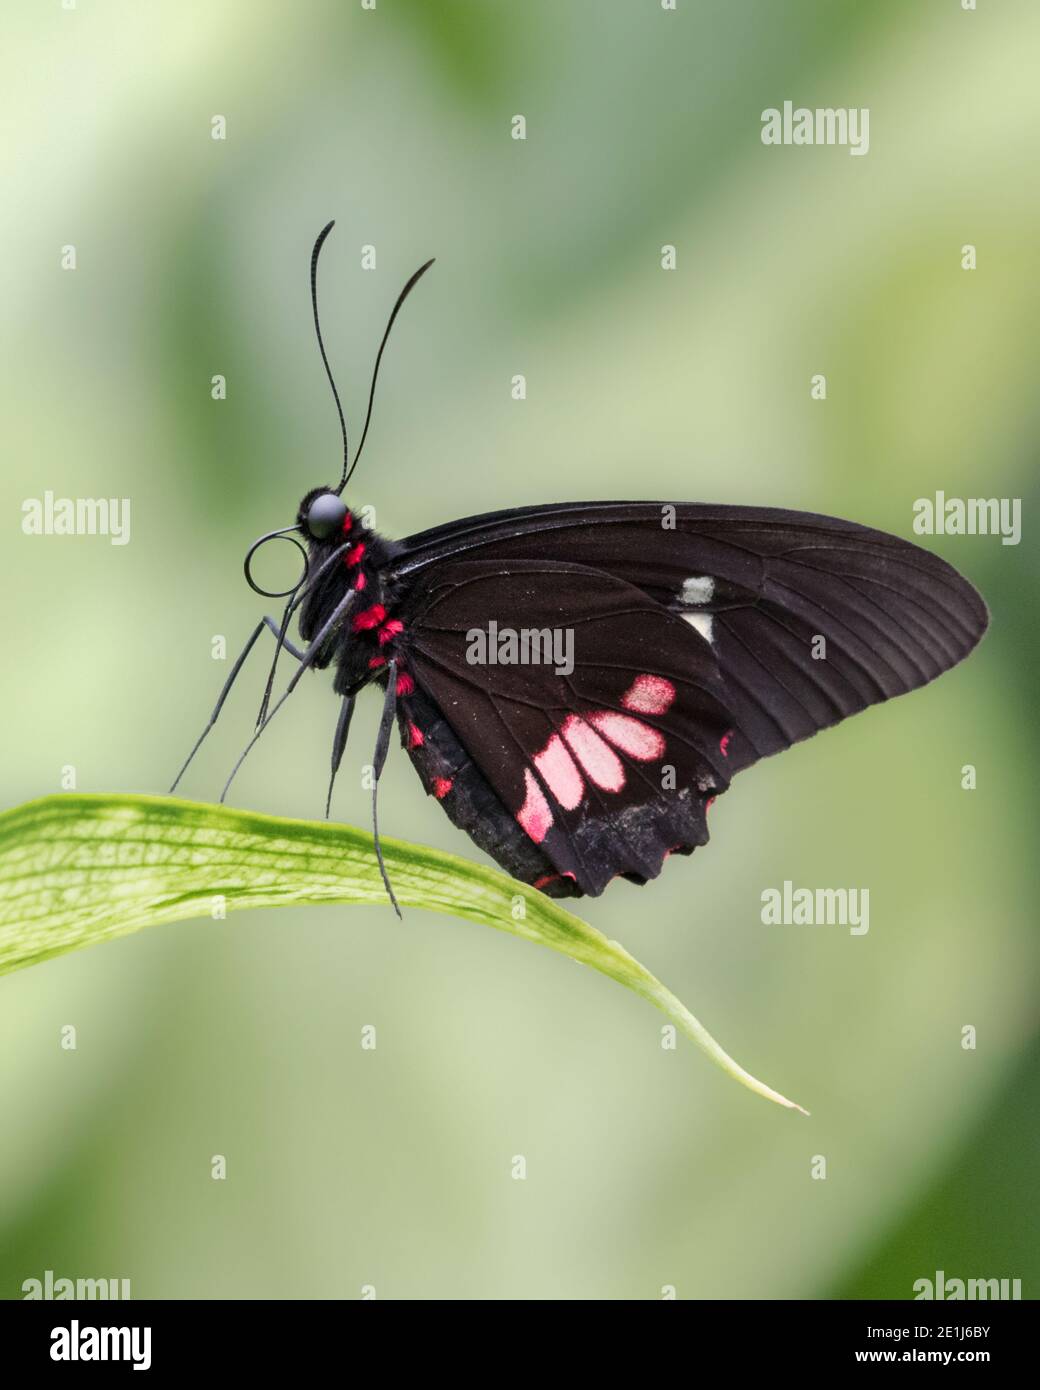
[(811, 618)]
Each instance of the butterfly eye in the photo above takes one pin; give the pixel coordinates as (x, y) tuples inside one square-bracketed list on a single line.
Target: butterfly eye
[(325, 515)]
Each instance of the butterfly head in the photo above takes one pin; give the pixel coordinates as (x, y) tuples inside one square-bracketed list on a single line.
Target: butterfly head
[(323, 523), (322, 515)]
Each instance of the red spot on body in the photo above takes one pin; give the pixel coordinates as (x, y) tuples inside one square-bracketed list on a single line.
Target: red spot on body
[(709, 803), (441, 787), (724, 743), (415, 736), (534, 815), (361, 579), (376, 662), (354, 554), (405, 684), (348, 522), (369, 618), (389, 631), (649, 695)]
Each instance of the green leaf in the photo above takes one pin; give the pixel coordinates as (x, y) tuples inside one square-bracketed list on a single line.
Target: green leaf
[(75, 870)]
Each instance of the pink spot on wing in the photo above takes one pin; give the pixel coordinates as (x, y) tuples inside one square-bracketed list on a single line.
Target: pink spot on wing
[(441, 787), (550, 878), (597, 758), (415, 736), (560, 773), (724, 743), (632, 736), (649, 695), (534, 815)]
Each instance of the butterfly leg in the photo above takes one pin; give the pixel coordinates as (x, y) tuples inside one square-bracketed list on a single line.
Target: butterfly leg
[(270, 623), (281, 640), (267, 622), (386, 724), (308, 659), (339, 743)]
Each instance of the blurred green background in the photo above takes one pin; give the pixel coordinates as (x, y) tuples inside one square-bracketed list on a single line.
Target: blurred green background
[(646, 1168)]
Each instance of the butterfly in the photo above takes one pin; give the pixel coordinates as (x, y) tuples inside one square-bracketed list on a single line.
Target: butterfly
[(576, 683)]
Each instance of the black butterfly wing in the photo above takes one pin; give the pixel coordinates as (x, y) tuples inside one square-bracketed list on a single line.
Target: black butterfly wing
[(811, 618), (568, 777)]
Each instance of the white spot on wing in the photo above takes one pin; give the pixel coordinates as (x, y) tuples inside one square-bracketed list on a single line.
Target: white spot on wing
[(697, 589), (702, 622)]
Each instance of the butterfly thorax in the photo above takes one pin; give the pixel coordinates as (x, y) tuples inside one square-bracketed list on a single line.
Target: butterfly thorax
[(362, 644)]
